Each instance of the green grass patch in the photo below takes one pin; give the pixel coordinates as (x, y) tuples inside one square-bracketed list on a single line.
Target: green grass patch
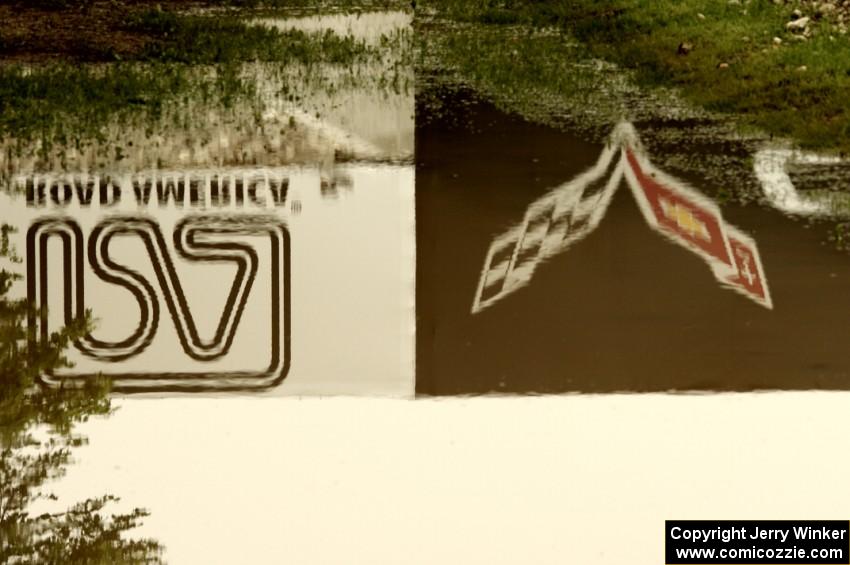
[(61, 104), (539, 73), (795, 88)]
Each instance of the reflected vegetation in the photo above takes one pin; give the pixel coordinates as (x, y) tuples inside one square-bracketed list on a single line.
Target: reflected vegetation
[(36, 440), (168, 221), (135, 218), (134, 116), (548, 77), (542, 74), (373, 28)]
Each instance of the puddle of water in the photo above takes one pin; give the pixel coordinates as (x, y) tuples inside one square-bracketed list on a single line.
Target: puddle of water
[(824, 177), (368, 119), (548, 78), (263, 247), (291, 114), (373, 101), (370, 27), (548, 263), (270, 248)]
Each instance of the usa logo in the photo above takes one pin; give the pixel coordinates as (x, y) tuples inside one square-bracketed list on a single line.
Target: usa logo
[(194, 297), (225, 279), (199, 239)]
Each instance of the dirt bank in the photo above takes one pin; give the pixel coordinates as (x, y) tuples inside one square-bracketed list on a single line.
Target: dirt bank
[(97, 30), (113, 30)]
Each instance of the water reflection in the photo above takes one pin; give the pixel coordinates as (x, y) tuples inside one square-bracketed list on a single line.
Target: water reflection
[(570, 212), (256, 242), (772, 167), (320, 115), (601, 284), (262, 243), (254, 114), (203, 238), (551, 225), (215, 279), (37, 436), (372, 27)]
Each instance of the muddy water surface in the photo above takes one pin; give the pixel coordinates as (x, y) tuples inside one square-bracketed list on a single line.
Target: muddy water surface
[(271, 246), (316, 240), (542, 267), (265, 246)]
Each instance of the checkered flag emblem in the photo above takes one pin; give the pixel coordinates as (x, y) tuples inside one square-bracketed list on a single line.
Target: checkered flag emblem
[(568, 213)]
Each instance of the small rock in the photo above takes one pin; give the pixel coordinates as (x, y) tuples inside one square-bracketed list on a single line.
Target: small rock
[(684, 48), (797, 25), (802, 69), (796, 15), (723, 66), (701, 16), (827, 8), (777, 41)]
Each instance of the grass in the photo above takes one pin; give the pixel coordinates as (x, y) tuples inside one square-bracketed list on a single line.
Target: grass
[(538, 72), (62, 104), (792, 89), (238, 4), (130, 32), (191, 62), (208, 40)]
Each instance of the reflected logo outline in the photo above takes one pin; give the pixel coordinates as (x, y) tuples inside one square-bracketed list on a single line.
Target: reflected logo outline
[(680, 213), (563, 209), (189, 242)]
